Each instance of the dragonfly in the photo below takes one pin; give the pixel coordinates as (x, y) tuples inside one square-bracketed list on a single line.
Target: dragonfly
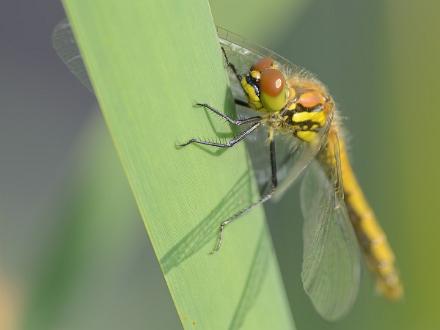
[(293, 111)]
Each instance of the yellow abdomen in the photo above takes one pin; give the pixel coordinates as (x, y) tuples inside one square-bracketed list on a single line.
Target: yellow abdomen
[(372, 239)]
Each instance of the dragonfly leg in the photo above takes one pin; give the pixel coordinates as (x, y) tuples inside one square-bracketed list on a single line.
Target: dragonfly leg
[(264, 198), (228, 144), (231, 66), (242, 103), (237, 122), (237, 75)]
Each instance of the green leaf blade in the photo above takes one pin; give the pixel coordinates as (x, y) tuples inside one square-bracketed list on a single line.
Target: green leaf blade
[(149, 62)]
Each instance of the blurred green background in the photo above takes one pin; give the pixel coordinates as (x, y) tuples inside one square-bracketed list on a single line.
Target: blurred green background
[(67, 261)]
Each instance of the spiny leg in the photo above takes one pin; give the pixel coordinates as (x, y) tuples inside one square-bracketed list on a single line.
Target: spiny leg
[(237, 76), (264, 198), (229, 143), (231, 66), (237, 122)]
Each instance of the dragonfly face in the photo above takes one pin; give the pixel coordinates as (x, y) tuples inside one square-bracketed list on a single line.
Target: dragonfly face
[(265, 86), (301, 106)]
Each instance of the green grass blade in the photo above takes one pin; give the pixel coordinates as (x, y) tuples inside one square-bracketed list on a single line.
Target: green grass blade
[(149, 62), (96, 263)]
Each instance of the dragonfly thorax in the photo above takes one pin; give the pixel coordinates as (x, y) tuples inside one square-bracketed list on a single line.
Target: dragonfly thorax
[(304, 115), (308, 109)]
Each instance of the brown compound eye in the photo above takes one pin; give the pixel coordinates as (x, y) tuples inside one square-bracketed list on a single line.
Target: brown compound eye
[(273, 91), (262, 64), (272, 82)]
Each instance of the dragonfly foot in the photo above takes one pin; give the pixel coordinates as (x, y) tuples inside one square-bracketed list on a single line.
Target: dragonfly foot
[(219, 242)]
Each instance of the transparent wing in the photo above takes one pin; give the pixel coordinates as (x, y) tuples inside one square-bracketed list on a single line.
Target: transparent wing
[(65, 46), (243, 54), (301, 156), (331, 265), (293, 156)]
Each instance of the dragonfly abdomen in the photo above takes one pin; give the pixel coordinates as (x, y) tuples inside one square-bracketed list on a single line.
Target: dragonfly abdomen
[(371, 237)]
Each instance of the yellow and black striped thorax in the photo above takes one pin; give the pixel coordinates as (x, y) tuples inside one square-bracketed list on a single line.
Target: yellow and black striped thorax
[(307, 112)]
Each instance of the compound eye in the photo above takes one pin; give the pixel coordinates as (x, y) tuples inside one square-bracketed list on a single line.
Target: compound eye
[(273, 91), (272, 82), (262, 64)]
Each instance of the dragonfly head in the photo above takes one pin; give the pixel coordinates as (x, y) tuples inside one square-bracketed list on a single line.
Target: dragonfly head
[(265, 86)]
